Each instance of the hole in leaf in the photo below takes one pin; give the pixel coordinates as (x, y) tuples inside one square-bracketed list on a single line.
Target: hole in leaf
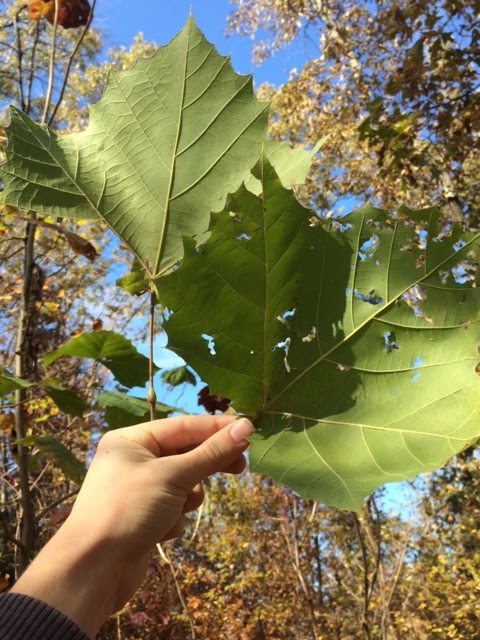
[(464, 271), (417, 362), (390, 340), (167, 313), (370, 297), (459, 245), (243, 236), (414, 297), (310, 336), (285, 345), (445, 231), (285, 315), (210, 343), (422, 235), (416, 376), (369, 247), (199, 249), (338, 226)]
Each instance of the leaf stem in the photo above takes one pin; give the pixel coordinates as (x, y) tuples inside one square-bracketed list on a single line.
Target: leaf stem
[(151, 395)]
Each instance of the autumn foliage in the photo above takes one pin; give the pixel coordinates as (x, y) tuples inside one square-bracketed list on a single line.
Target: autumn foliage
[(257, 562), (71, 13)]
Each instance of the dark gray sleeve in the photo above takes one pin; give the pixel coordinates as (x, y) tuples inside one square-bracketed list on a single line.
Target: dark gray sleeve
[(25, 618)]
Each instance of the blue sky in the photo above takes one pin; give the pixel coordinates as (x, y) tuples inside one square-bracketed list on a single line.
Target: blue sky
[(119, 24)]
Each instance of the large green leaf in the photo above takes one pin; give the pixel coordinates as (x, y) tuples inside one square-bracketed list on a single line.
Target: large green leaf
[(112, 350), (57, 453), (355, 348), (165, 144), (125, 411)]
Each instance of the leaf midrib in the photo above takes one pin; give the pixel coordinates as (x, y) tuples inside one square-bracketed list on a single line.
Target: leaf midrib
[(174, 157)]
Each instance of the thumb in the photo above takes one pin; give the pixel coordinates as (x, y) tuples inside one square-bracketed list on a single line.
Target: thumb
[(218, 451)]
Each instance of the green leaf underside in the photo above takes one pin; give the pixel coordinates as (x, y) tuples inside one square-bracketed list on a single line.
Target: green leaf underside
[(57, 453), (180, 375), (112, 350), (9, 383), (291, 165), (343, 412), (125, 411), (165, 144), (65, 399)]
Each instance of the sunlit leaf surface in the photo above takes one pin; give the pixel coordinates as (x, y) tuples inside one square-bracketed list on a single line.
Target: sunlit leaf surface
[(165, 144), (354, 346)]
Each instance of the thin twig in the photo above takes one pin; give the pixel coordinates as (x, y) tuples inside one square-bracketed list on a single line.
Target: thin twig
[(295, 561), (55, 503), (19, 59), (396, 578), (51, 68), (9, 535), (32, 68), (168, 562), (69, 64), (195, 528), (366, 587)]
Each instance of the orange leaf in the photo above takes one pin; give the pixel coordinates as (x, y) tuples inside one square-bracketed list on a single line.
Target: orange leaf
[(71, 13)]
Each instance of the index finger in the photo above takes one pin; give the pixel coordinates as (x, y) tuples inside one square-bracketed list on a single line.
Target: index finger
[(171, 434)]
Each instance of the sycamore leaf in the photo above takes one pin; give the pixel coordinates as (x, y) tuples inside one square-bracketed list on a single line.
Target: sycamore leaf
[(136, 282), (166, 143), (112, 350), (291, 165), (57, 453), (125, 411), (355, 347)]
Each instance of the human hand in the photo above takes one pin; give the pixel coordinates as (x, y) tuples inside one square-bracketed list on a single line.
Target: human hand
[(141, 482), (143, 479)]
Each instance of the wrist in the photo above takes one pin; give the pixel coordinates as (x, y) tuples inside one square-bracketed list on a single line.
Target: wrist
[(83, 576)]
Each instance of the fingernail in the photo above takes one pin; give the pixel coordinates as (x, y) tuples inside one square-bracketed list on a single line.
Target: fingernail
[(241, 429)]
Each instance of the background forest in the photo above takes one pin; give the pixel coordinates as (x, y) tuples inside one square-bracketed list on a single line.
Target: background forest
[(395, 85)]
